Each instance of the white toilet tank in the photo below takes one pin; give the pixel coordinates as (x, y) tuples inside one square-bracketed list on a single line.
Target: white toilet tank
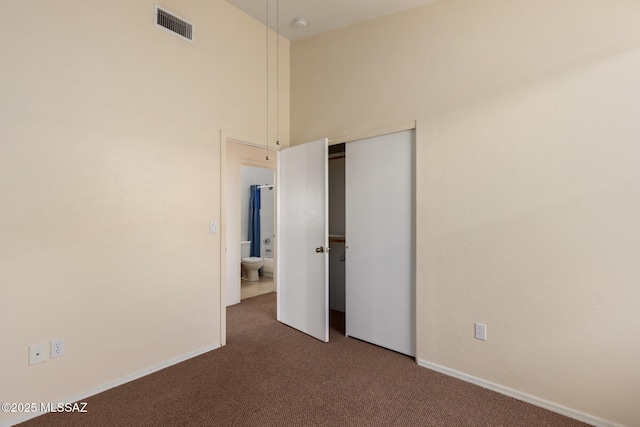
[(245, 249)]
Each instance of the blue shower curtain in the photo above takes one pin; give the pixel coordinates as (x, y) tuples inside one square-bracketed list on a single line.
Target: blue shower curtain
[(254, 220)]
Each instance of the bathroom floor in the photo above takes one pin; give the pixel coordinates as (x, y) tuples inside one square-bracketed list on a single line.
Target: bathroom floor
[(253, 289)]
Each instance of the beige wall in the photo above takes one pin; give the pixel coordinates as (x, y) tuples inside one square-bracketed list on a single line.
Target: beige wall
[(109, 176), (527, 182)]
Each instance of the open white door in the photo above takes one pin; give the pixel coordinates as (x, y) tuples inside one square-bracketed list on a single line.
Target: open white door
[(303, 232)]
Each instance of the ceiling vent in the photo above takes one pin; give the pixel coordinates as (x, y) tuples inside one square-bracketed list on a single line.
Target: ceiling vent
[(170, 22)]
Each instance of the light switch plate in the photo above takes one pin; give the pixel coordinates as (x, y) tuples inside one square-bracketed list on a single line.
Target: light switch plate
[(213, 227)]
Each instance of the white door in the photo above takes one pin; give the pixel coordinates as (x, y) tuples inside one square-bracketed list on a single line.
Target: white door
[(380, 282), (303, 232)]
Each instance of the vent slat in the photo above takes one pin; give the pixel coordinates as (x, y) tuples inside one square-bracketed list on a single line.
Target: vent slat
[(173, 23)]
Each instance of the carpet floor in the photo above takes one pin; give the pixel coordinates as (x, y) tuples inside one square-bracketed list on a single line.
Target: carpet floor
[(271, 375)]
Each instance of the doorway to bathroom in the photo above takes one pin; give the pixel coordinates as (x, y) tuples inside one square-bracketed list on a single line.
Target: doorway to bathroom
[(249, 223), (257, 227)]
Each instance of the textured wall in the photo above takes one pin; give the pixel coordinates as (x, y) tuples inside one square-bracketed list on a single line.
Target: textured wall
[(527, 178), (109, 176)]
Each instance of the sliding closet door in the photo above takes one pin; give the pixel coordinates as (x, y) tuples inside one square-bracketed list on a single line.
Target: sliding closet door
[(380, 235)]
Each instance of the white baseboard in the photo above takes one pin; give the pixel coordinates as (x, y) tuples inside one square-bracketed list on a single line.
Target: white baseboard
[(553, 407), (122, 380)]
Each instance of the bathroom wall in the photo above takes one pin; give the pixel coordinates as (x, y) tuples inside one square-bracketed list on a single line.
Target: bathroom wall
[(252, 175)]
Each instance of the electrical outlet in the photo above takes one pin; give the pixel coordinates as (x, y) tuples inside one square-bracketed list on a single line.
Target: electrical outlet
[(57, 347), (481, 331), (37, 353)]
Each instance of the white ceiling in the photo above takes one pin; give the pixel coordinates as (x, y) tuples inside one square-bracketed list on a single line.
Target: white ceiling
[(322, 15)]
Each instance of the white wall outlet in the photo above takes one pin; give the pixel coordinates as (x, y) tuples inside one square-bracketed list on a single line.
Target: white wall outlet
[(57, 347), (481, 331), (37, 353)]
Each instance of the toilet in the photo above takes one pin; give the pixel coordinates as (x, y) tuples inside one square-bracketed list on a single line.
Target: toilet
[(250, 264)]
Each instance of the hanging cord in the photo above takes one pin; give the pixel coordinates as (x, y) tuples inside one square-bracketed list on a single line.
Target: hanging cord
[(277, 72), (266, 26)]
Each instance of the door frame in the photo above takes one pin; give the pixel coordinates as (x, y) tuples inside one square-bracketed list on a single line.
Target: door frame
[(225, 139)]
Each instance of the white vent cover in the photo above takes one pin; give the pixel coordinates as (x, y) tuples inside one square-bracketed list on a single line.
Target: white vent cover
[(169, 22)]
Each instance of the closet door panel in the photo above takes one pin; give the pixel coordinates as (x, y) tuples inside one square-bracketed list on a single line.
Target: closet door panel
[(380, 235)]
